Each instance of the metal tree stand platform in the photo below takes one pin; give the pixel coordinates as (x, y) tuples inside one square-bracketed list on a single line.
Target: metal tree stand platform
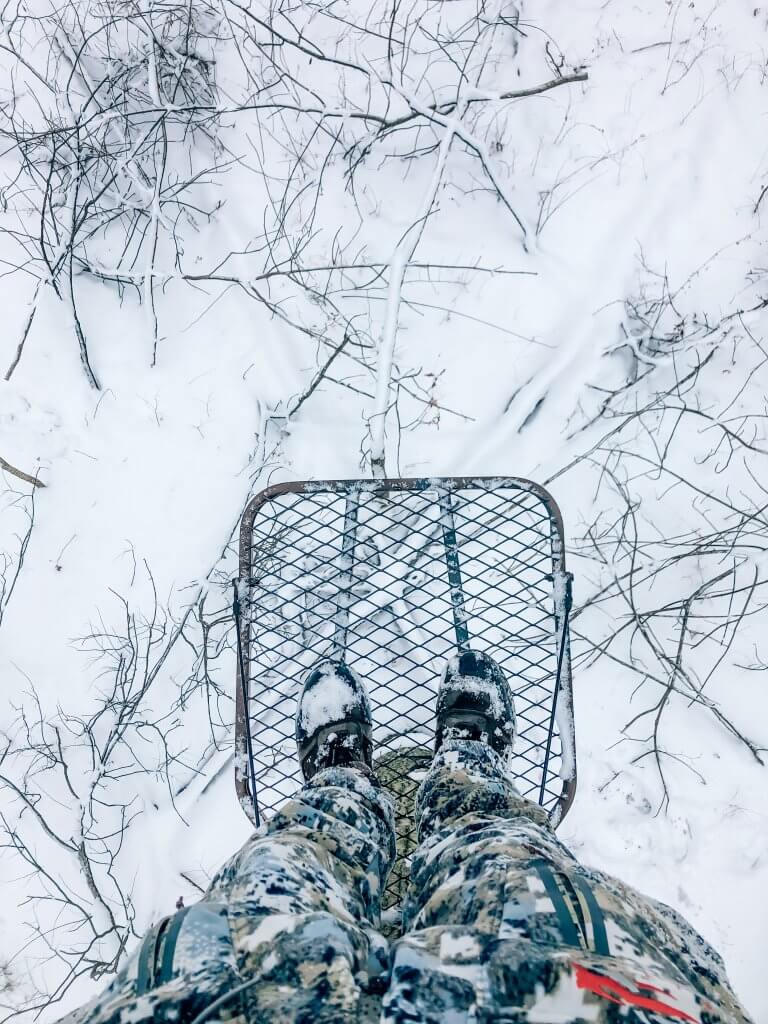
[(396, 576)]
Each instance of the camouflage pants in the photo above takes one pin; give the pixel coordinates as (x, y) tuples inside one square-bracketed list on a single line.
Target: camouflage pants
[(501, 923)]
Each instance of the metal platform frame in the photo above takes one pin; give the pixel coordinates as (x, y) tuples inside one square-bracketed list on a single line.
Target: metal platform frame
[(319, 577)]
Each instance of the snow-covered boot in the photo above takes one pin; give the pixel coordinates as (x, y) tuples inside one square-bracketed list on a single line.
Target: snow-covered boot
[(333, 720), (474, 702)]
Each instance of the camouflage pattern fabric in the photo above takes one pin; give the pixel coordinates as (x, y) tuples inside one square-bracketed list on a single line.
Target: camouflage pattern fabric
[(501, 922), (294, 912)]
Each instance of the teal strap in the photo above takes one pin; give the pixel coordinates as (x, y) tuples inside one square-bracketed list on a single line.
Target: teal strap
[(574, 932), (574, 905), (169, 946), (145, 970), (599, 934), (568, 928)]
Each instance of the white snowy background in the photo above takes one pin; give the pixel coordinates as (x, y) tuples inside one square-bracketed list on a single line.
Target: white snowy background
[(567, 287)]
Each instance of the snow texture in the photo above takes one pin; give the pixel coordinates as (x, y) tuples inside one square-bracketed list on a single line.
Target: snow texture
[(484, 686), (328, 702), (642, 194)]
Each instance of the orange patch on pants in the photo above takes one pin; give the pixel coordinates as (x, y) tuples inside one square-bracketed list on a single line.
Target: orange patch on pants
[(618, 993)]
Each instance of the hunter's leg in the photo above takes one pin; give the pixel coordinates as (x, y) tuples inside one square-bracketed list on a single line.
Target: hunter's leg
[(287, 930), (504, 924), (304, 899)]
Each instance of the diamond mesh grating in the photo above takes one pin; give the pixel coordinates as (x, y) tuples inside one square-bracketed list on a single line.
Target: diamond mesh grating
[(396, 576)]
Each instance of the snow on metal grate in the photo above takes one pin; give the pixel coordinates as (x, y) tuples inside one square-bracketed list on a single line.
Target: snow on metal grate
[(396, 576)]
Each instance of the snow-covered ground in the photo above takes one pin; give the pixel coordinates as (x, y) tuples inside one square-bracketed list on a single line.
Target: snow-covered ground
[(545, 267)]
